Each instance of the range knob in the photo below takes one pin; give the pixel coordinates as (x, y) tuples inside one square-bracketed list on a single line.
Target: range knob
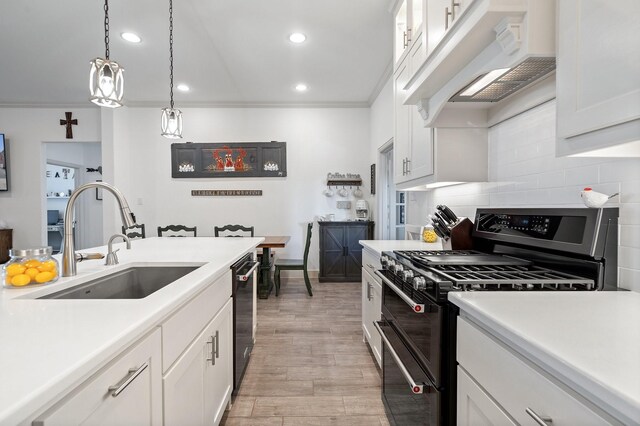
[(407, 275), (419, 283), (398, 268), (390, 264), (383, 260)]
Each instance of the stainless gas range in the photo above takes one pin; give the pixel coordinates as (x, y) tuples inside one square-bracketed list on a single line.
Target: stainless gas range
[(513, 250)]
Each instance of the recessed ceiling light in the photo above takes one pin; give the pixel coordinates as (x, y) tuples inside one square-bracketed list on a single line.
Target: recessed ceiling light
[(183, 87), (301, 87), (297, 37), (131, 37)]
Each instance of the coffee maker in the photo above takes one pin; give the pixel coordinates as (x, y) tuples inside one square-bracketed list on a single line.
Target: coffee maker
[(362, 210)]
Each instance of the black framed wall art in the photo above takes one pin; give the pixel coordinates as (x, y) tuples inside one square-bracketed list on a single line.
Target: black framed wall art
[(228, 159)]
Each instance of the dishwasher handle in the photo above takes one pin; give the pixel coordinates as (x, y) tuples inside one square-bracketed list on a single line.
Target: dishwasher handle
[(246, 275)]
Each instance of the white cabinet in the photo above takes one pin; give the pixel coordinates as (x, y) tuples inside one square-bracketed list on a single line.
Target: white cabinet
[(408, 30), (598, 74), (441, 15), (371, 302), (127, 391), (514, 385), (475, 407), (198, 386), (412, 143)]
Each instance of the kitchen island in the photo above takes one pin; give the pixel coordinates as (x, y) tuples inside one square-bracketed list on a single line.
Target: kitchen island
[(51, 347), (569, 357)]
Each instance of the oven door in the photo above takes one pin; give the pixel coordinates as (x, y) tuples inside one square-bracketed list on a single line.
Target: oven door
[(409, 397), (419, 321)]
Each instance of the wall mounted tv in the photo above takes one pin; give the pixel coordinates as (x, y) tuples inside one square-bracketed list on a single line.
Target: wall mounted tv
[(4, 175)]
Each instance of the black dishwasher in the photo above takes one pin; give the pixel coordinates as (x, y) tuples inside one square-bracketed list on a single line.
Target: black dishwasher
[(242, 293)]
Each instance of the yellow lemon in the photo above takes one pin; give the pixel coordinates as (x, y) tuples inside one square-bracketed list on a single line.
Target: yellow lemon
[(32, 263), (20, 280), (43, 277), (8, 280), (32, 272), (47, 265), (15, 269)]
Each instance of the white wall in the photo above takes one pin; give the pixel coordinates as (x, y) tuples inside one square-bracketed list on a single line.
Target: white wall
[(523, 171), (23, 207), (319, 141)]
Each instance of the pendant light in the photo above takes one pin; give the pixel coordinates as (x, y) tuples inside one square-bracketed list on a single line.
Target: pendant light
[(106, 81), (171, 118)]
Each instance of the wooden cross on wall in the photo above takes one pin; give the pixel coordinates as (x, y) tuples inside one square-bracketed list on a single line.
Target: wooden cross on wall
[(69, 122)]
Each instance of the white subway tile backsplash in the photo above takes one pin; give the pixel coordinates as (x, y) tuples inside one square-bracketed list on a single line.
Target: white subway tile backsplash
[(523, 171), (629, 279), (630, 236)]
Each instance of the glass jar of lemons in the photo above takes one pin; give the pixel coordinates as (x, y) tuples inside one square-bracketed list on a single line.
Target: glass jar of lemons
[(31, 266), (428, 234)]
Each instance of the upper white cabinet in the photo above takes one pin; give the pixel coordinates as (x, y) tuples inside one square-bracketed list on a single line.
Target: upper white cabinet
[(441, 14), (408, 34), (413, 148), (598, 75)]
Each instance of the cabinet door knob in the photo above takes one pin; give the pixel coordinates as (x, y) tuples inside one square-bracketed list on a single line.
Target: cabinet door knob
[(122, 385)]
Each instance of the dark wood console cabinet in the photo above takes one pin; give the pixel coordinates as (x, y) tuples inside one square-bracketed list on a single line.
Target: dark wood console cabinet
[(340, 251)]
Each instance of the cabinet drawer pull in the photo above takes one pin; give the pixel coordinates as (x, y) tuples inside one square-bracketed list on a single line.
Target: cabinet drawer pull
[(368, 290), (405, 39), (541, 420), (122, 385), (446, 17), (370, 266), (217, 345)]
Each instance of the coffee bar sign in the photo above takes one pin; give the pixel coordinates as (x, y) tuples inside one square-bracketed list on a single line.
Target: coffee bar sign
[(226, 192)]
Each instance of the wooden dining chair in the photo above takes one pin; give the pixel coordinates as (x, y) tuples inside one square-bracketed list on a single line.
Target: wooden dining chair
[(135, 231), (184, 231), (243, 231), (295, 264)]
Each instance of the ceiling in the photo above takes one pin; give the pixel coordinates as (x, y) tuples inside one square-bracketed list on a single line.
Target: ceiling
[(230, 52)]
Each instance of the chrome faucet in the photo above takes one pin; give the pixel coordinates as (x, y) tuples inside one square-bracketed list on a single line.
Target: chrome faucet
[(112, 257), (69, 247)]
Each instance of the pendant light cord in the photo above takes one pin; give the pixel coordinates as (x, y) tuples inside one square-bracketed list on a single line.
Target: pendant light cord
[(106, 28), (171, 51)]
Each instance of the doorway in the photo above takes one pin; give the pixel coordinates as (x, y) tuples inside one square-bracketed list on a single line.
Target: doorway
[(69, 165)]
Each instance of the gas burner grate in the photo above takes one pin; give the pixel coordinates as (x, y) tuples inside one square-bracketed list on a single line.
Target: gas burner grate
[(501, 277)]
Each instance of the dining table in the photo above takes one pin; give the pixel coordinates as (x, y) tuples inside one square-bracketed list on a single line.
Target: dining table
[(265, 285)]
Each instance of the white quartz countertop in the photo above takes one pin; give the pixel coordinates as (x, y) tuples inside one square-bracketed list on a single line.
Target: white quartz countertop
[(379, 246), (49, 346), (588, 340)]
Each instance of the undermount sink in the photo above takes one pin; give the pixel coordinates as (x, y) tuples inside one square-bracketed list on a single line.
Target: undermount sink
[(131, 283)]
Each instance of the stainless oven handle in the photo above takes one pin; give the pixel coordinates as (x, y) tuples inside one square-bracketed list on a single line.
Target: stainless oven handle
[(246, 276), (417, 307), (416, 388)]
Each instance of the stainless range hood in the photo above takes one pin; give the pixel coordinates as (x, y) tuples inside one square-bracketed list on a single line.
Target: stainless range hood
[(496, 85), (495, 49)]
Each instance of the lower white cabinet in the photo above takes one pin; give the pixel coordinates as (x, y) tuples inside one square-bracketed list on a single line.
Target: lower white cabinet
[(475, 407), (198, 386), (513, 387), (128, 391), (371, 311)]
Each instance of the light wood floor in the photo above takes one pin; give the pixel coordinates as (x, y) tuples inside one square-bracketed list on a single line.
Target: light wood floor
[(309, 365)]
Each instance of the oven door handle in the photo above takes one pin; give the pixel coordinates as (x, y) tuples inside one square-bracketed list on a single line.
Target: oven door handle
[(417, 307), (247, 274), (417, 388)]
